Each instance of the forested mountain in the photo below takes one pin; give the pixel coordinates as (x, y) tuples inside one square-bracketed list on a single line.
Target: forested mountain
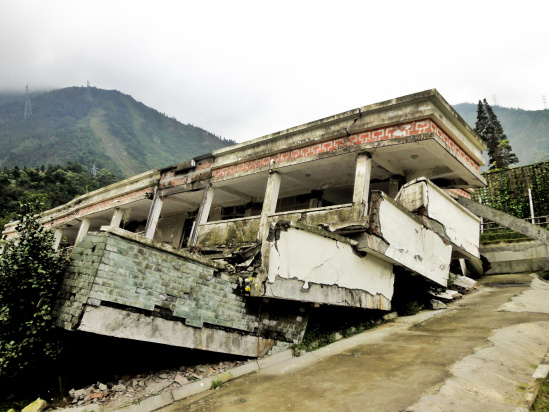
[(527, 130), (46, 186), (112, 131)]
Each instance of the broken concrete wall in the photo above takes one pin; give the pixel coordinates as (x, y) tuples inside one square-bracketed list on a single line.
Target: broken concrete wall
[(244, 231), (403, 239), (331, 217), (436, 208), (117, 281), (233, 233), (413, 245), (323, 268)]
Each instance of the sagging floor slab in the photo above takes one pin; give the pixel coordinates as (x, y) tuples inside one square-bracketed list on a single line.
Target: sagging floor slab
[(137, 326)]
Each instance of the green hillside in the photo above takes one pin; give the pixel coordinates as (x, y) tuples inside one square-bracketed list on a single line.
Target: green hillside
[(527, 130), (113, 130)]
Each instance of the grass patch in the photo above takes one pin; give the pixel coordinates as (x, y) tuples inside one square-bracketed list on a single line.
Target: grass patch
[(328, 326), (541, 404), (410, 308), (217, 384)]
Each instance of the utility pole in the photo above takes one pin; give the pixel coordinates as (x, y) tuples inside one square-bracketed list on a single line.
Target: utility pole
[(28, 107), (88, 93)]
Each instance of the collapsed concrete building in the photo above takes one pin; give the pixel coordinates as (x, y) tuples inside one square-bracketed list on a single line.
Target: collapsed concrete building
[(229, 251)]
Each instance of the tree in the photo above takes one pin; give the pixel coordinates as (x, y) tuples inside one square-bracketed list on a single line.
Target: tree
[(105, 177), (488, 127), (30, 273)]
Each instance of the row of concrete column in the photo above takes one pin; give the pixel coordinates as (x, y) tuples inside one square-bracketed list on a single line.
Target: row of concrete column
[(85, 226), (360, 205)]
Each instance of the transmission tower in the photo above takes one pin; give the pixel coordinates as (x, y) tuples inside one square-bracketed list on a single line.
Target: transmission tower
[(28, 107), (88, 93), (94, 170), (494, 99), (544, 100)]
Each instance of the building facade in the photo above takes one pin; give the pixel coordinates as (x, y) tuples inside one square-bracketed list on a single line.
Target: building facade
[(229, 251)]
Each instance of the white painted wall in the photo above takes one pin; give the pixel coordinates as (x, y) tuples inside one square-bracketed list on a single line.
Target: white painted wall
[(462, 227), (413, 245), (313, 258)]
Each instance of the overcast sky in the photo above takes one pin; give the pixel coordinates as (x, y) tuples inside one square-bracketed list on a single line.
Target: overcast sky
[(243, 69)]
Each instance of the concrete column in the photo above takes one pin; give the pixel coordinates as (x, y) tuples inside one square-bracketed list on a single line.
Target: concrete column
[(269, 203), (57, 236), (202, 215), (362, 184), (84, 226), (117, 217), (463, 267), (154, 215)]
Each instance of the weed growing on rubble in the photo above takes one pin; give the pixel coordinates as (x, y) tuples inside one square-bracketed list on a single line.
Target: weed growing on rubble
[(323, 335), (216, 384), (410, 308)]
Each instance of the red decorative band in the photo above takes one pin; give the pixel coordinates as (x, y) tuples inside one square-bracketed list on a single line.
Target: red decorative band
[(376, 135)]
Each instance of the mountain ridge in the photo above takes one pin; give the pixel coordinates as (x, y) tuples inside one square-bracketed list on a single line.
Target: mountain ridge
[(113, 131), (527, 130)]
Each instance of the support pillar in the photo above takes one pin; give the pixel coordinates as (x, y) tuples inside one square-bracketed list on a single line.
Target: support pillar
[(269, 204), (154, 215), (117, 217), (203, 213), (57, 236), (362, 185), (463, 267), (269, 207), (84, 226)]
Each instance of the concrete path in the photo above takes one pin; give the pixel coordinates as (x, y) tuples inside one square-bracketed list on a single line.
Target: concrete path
[(478, 355)]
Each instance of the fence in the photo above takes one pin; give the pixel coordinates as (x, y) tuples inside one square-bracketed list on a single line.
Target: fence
[(522, 192)]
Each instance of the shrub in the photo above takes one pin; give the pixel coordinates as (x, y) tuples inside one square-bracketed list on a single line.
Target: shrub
[(30, 273)]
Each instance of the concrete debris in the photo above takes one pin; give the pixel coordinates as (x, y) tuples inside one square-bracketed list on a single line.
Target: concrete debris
[(390, 316), (446, 296), (437, 304), (37, 406), (118, 393), (463, 284)]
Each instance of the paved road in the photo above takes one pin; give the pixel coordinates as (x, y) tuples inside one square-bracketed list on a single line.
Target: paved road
[(478, 355)]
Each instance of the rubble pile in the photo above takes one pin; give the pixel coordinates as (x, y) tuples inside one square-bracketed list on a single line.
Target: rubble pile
[(129, 389), (460, 286)]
